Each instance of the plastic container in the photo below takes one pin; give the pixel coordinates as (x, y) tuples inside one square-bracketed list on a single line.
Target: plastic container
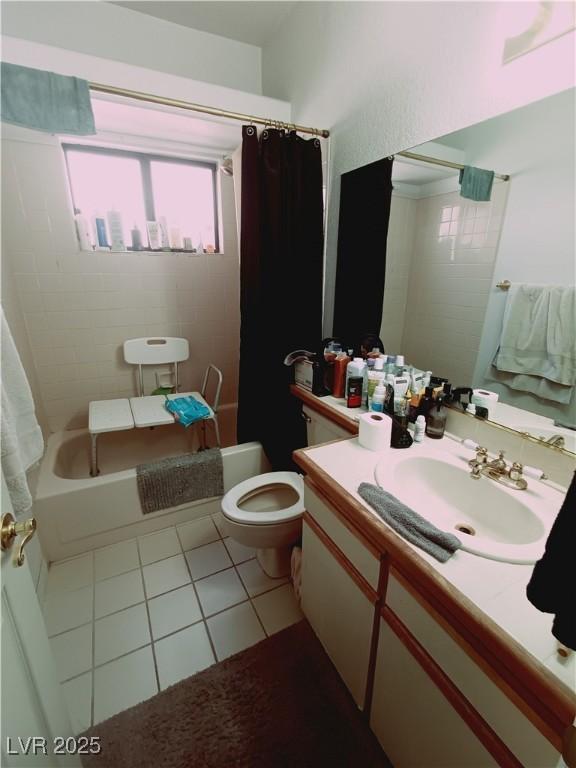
[(354, 391), (419, 429), (375, 377), (356, 368), (436, 420), (340, 366), (377, 399)]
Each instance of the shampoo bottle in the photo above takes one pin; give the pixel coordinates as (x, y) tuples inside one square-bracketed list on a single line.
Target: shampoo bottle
[(340, 365), (375, 378), (377, 399)]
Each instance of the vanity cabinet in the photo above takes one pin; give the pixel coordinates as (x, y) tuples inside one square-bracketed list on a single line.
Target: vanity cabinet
[(412, 719), (339, 612), (430, 698)]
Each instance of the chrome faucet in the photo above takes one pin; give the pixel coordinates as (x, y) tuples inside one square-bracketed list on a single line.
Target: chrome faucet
[(497, 469)]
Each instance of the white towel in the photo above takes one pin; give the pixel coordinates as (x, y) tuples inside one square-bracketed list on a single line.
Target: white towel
[(22, 444), (537, 350)]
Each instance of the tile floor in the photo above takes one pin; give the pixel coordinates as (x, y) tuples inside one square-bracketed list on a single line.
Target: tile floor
[(133, 618)]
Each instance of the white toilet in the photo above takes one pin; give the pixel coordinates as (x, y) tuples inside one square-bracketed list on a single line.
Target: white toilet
[(265, 512)]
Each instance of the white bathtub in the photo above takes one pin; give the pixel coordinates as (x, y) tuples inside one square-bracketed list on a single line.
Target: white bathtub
[(76, 513)]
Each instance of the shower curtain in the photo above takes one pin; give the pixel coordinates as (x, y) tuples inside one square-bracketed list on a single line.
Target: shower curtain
[(281, 265), (365, 197)]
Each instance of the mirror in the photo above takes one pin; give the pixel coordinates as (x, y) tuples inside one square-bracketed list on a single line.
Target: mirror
[(447, 257)]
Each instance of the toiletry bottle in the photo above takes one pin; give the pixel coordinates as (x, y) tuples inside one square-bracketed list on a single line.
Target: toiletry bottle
[(399, 365), (426, 402), (340, 365), (164, 237), (354, 391), (83, 231), (377, 399), (136, 236), (419, 429), (116, 230), (375, 377), (100, 229), (153, 235), (400, 437), (436, 420), (426, 379), (356, 368), (389, 397)]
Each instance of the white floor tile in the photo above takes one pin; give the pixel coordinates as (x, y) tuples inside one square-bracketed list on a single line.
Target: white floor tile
[(238, 552), (220, 591), (218, 521), (197, 533), (165, 575), (159, 545), (118, 592), (278, 609), (73, 651), (183, 654), (115, 559), (70, 574), (255, 580), (208, 559), (66, 610), (120, 633), (173, 611), (234, 630), (123, 683), (78, 698)]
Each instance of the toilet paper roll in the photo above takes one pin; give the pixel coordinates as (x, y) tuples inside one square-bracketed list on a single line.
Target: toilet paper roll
[(486, 399), (374, 431)]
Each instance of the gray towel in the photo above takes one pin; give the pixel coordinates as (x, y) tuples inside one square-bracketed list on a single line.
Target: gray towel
[(476, 183), (180, 480), (45, 101), (409, 524)]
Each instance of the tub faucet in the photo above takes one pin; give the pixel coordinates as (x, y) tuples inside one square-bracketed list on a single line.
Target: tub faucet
[(556, 440)]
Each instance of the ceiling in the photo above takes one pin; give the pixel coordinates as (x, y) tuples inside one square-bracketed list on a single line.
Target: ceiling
[(247, 22)]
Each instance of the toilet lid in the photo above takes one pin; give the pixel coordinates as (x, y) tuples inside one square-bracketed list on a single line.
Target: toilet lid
[(230, 501)]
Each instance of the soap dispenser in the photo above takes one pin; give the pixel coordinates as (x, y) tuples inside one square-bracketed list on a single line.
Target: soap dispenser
[(436, 419)]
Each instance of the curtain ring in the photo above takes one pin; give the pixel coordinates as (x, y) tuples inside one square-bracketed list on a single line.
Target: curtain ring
[(250, 130)]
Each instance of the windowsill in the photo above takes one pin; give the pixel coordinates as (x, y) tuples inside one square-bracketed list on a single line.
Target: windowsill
[(159, 252)]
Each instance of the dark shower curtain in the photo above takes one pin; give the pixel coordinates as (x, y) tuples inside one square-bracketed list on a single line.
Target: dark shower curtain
[(365, 196), (280, 283)]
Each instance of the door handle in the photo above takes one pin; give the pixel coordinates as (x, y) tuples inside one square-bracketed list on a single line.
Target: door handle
[(10, 529)]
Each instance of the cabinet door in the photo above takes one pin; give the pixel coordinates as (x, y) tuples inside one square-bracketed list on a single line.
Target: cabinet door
[(321, 430), (413, 721), (339, 612)]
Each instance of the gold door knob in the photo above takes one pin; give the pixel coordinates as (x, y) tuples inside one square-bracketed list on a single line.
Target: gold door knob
[(10, 529)]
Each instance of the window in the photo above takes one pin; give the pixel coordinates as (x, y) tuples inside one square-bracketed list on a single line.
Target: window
[(138, 201)]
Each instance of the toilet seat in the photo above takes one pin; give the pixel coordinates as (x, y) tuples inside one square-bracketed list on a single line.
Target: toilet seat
[(253, 485)]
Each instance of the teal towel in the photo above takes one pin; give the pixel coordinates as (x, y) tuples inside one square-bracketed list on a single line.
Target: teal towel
[(476, 183), (187, 410), (45, 101)]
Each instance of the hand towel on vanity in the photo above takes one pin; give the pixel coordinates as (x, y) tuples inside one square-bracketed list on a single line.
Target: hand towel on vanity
[(552, 588), (409, 524), (537, 352), (180, 480), (21, 436)]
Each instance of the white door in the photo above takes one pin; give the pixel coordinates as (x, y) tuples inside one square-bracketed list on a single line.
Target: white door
[(34, 716)]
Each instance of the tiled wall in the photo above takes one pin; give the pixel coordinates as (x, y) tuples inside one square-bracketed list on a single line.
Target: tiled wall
[(80, 307), (399, 247), (451, 271)]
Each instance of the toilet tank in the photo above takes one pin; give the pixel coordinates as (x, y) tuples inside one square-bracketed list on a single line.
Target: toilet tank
[(319, 429)]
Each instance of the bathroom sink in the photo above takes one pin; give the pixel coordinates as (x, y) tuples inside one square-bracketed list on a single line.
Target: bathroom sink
[(490, 520)]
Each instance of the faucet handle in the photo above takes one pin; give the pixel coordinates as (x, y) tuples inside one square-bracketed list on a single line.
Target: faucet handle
[(515, 471)]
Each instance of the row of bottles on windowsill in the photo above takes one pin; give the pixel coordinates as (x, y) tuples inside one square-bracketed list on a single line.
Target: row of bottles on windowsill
[(106, 233)]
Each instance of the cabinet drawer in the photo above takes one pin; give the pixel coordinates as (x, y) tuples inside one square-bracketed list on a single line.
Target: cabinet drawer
[(522, 738), (355, 549)]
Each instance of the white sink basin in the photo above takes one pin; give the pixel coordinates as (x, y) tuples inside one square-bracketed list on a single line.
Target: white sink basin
[(490, 520)]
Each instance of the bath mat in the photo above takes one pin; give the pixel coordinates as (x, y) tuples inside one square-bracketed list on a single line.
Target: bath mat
[(180, 480), (278, 704)]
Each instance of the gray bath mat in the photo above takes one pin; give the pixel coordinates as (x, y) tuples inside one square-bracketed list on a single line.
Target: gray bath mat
[(180, 479)]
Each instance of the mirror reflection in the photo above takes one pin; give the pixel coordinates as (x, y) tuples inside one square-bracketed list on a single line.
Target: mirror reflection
[(481, 291)]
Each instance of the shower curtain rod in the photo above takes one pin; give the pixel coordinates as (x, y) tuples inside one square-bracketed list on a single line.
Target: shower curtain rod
[(445, 163), (140, 96)]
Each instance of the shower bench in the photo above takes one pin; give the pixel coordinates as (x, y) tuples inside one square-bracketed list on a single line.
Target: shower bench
[(148, 410)]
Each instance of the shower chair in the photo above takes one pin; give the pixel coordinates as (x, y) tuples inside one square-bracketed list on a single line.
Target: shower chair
[(148, 410)]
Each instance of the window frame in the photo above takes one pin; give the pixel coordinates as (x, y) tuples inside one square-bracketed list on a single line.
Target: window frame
[(145, 158)]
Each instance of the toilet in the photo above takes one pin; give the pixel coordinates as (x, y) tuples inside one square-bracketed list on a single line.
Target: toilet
[(265, 512)]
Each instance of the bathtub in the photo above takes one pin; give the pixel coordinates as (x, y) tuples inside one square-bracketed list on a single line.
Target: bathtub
[(77, 513)]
